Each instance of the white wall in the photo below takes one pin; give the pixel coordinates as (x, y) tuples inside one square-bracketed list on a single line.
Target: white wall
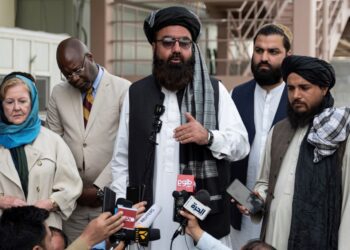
[(30, 51)]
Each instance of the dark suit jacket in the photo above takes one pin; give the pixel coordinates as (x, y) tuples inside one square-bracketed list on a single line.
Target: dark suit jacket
[(243, 96)]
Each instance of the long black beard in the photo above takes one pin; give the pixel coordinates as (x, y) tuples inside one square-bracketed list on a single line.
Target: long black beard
[(306, 118), (173, 76), (265, 77)]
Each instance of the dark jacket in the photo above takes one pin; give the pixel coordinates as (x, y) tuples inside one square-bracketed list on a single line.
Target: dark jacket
[(243, 96), (144, 95)]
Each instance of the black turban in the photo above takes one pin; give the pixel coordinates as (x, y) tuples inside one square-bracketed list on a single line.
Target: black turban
[(312, 69), (171, 16)]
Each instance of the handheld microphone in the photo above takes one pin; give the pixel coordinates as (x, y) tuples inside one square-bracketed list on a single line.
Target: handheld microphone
[(180, 198), (196, 205), (185, 186), (141, 234), (129, 212), (123, 202), (186, 181), (149, 216), (138, 235)]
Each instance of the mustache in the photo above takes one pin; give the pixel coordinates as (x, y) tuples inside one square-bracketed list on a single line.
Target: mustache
[(297, 102), (176, 55), (264, 64)]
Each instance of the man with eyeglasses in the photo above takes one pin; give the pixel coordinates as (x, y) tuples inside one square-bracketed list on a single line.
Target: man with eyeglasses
[(178, 120), (84, 110)]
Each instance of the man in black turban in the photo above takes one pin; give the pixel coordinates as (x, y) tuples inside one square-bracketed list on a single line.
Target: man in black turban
[(172, 16), (305, 173), (304, 104), (312, 69), (178, 120), (171, 75)]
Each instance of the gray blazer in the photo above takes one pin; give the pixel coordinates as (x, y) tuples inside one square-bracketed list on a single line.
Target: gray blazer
[(94, 144)]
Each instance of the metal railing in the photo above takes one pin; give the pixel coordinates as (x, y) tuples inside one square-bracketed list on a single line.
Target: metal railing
[(329, 25), (230, 52), (243, 24)]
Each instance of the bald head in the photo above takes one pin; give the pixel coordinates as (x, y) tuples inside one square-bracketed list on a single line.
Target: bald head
[(76, 63), (70, 48)]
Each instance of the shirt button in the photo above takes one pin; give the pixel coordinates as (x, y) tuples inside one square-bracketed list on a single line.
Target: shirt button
[(39, 163), (38, 189), (84, 145)]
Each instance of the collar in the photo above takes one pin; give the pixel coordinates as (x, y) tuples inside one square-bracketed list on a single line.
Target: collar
[(274, 91), (97, 81)]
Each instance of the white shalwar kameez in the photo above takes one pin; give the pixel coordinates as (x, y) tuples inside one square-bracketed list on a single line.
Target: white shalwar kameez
[(278, 226), (230, 142), (265, 107)]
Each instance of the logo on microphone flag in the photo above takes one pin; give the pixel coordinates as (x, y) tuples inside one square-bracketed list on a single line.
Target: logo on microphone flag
[(141, 235), (185, 182), (130, 217)]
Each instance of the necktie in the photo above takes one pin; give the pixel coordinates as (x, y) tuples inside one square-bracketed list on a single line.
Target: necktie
[(87, 104)]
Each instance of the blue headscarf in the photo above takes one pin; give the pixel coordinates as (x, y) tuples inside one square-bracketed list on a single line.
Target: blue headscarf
[(12, 135)]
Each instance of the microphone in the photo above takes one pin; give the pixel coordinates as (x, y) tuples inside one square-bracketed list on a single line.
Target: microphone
[(185, 186), (141, 234), (138, 235), (129, 212), (180, 198), (123, 202), (149, 216), (186, 181), (197, 205)]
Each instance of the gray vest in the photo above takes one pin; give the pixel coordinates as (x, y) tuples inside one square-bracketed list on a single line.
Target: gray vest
[(282, 136)]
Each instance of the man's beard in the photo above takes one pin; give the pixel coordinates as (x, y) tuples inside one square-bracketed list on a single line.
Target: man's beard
[(173, 76), (304, 118), (265, 77)]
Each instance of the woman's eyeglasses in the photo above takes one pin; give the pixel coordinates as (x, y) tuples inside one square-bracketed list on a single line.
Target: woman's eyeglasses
[(157, 123), (169, 42)]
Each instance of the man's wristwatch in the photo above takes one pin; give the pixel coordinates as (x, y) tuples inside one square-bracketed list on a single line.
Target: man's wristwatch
[(210, 138), (54, 204), (99, 193)]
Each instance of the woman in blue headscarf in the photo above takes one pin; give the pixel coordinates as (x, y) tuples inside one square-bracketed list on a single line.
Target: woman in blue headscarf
[(36, 166)]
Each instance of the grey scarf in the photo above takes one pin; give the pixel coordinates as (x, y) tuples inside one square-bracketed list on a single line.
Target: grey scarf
[(329, 129), (199, 100)]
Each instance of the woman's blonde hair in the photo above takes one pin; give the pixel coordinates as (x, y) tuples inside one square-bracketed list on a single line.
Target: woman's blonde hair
[(10, 83)]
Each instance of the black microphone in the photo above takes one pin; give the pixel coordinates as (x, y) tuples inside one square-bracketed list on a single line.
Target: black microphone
[(184, 189), (138, 235), (180, 197), (202, 196), (123, 202)]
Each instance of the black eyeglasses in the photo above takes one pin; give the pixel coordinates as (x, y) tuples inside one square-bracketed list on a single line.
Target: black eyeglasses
[(76, 72), (157, 123), (169, 42)]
